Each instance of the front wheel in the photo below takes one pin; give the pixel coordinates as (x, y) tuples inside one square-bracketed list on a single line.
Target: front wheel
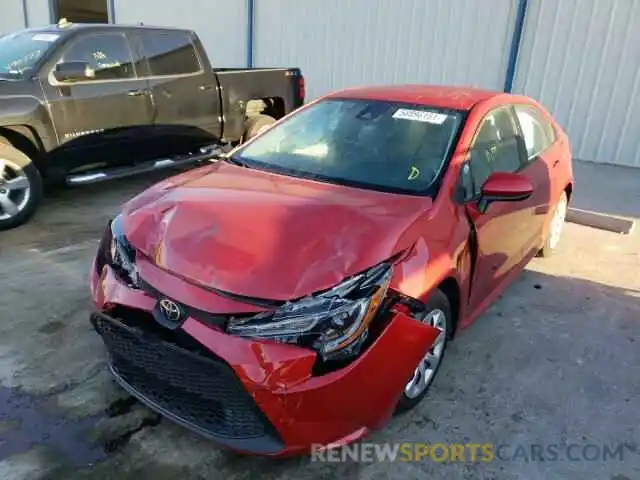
[(20, 187), (437, 313)]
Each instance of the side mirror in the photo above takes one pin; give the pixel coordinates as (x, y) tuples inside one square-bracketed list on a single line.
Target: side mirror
[(506, 187), (72, 71)]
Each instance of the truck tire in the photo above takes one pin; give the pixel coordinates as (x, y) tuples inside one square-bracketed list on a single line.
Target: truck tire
[(254, 125), (20, 187)]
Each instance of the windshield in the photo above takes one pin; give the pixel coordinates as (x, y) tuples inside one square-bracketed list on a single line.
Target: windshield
[(369, 144), (20, 52)]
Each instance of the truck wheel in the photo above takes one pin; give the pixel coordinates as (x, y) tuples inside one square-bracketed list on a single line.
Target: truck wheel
[(20, 187), (255, 125)]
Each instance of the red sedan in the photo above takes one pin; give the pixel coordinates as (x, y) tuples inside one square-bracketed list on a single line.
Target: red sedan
[(302, 289)]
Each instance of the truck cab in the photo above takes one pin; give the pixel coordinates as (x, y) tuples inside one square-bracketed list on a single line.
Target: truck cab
[(84, 103)]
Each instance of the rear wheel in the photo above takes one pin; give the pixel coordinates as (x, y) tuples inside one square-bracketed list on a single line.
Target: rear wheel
[(437, 313), (555, 227), (255, 125), (20, 187)]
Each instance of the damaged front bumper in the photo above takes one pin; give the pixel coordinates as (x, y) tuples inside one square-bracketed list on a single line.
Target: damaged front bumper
[(255, 396)]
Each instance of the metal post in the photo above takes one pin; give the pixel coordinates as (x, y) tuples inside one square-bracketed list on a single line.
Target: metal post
[(53, 11), (250, 31), (515, 45), (111, 10), (25, 12)]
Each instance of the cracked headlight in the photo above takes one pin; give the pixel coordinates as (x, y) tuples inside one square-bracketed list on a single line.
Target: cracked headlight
[(334, 323), (122, 255)]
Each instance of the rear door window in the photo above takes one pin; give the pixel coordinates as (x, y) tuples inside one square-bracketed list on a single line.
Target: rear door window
[(538, 134), (170, 52)]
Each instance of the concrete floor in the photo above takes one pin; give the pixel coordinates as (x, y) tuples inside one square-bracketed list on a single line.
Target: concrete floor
[(608, 189), (555, 361)]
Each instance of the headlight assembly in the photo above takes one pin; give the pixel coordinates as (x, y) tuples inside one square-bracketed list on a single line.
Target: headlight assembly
[(334, 323), (121, 256)]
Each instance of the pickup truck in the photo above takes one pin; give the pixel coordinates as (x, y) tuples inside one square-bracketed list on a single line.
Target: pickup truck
[(83, 103)]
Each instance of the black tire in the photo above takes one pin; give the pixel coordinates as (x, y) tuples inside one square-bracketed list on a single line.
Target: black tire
[(549, 245), (19, 160), (438, 301), (254, 125)]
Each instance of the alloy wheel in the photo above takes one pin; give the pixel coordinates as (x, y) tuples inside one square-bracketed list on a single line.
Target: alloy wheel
[(15, 189), (557, 222), (426, 369)]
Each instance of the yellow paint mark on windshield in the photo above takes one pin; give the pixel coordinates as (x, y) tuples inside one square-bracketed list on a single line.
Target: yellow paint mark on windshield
[(414, 173)]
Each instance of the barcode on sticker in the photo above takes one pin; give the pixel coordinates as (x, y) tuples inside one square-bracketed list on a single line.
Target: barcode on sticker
[(420, 116)]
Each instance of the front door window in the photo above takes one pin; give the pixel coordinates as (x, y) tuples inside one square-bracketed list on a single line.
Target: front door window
[(107, 56), (495, 149)]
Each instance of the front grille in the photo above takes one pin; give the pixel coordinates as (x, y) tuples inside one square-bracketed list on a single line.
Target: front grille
[(199, 391)]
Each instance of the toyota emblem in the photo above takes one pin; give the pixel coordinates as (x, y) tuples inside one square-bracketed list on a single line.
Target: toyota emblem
[(171, 310)]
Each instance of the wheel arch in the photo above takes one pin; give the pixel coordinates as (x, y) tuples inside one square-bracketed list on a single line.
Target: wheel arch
[(25, 139), (568, 189), (272, 106), (450, 287)]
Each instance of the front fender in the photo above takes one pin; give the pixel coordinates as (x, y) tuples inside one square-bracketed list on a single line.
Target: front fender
[(28, 111)]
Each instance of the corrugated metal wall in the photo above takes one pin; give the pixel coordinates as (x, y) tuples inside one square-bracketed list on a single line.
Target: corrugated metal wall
[(11, 16), (38, 12), (221, 24), (581, 59), (342, 43)]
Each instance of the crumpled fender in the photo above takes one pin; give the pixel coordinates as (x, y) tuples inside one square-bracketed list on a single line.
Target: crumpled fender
[(305, 408), (325, 408)]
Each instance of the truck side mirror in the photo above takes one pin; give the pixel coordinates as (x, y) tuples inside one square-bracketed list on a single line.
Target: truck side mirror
[(73, 71)]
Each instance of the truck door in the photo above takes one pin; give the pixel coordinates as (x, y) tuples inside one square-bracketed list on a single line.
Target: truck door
[(187, 111), (100, 117)]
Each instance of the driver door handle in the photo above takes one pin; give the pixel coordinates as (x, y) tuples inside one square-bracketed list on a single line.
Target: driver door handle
[(136, 93)]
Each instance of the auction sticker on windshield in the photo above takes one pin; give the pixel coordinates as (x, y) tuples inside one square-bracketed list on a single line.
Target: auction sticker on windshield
[(420, 116), (46, 37)]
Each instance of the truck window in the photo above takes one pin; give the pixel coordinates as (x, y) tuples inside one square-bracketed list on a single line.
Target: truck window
[(108, 56), (170, 52)]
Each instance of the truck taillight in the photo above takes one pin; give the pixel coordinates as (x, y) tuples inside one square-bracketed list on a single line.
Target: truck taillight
[(301, 89)]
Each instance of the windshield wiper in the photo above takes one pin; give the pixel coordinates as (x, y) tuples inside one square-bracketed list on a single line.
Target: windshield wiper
[(233, 160)]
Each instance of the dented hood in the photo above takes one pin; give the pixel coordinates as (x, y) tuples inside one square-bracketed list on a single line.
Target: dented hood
[(265, 235)]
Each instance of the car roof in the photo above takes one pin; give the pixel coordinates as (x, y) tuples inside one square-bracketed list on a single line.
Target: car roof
[(70, 26), (440, 96)]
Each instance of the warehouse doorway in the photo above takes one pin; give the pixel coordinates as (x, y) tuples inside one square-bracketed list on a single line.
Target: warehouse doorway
[(82, 11)]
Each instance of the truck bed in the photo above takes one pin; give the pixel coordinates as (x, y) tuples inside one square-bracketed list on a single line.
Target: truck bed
[(282, 88)]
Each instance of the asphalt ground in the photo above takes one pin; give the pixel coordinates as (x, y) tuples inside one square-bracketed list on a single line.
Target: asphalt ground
[(553, 366)]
